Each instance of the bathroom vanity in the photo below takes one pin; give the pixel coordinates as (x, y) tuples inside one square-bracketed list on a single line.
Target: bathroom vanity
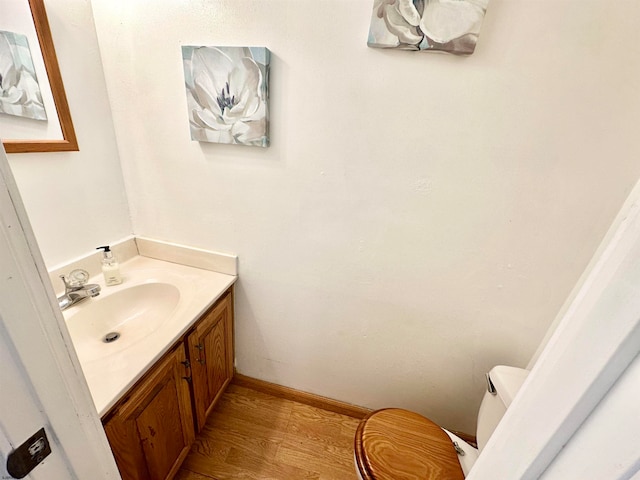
[(157, 353), (151, 428)]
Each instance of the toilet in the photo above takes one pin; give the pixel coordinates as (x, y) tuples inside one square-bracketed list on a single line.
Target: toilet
[(396, 444)]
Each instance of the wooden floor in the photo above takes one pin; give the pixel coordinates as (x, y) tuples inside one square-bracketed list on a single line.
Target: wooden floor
[(252, 435)]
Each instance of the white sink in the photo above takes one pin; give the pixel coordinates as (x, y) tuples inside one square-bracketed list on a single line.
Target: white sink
[(109, 324), (155, 305)]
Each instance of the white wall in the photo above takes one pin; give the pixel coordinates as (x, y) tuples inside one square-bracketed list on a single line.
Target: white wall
[(418, 217), (76, 200)]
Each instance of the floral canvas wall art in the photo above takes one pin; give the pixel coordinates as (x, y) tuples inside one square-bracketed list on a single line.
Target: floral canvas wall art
[(449, 26), (19, 89), (227, 94)]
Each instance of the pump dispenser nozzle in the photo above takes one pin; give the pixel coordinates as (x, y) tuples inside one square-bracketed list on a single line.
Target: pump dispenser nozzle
[(106, 251)]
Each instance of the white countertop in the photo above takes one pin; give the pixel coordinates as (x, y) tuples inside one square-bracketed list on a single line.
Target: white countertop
[(110, 377)]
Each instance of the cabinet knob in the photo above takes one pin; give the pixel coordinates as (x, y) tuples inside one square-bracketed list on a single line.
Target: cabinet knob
[(186, 363), (200, 347), (201, 362), (188, 379)]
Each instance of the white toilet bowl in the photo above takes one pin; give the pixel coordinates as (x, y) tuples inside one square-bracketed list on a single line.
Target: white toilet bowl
[(394, 444)]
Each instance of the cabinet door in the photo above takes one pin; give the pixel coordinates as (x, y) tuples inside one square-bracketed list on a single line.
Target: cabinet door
[(211, 356), (151, 431)]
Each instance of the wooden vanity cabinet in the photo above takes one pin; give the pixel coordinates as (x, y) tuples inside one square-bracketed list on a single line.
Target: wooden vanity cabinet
[(152, 427), (210, 347), (151, 431)]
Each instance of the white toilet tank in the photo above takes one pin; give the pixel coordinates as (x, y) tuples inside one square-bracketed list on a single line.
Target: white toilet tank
[(506, 381)]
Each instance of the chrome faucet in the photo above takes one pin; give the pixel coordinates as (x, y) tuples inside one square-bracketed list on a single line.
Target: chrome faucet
[(76, 289)]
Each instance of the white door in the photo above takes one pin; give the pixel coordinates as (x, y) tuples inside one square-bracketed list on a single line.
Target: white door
[(21, 416), (41, 382)]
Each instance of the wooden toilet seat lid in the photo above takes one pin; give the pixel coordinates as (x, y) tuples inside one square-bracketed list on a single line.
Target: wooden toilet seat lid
[(396, 444)]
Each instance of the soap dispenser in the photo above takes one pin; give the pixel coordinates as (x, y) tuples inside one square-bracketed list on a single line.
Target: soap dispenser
[(110, 267)]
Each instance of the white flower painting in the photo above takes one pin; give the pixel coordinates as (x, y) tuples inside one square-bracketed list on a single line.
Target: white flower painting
[(227, 94), (449, 26), (19, 90)]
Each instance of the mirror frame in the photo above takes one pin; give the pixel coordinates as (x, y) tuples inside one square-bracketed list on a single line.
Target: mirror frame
[(69, 142)]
